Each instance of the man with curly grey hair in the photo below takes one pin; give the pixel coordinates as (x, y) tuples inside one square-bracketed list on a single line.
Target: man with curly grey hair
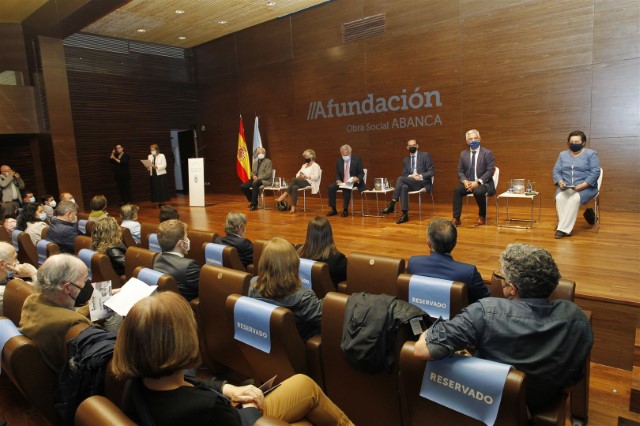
[(549, 340), (235, 228)]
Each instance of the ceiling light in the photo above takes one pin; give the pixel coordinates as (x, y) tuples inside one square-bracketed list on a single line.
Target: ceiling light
[(182, 38), (179, 11), (271, 3), (222, 22), (141, 30)]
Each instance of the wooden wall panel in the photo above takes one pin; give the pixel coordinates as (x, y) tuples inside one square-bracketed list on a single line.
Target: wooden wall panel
[(18, 110), (414, 17), (13, 55), (266, 44), (620, 171), (616, 30)]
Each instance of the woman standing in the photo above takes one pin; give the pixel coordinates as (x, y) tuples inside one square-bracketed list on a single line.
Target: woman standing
[(576, 174), (308, 175), (158, 173), (120, 160)]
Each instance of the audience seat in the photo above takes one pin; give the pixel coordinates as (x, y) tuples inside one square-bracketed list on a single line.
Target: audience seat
[(102, 270), (100, 411), (198, 239), (15, 293), (417, 410), (51, 248), (27, 252), (287, 356), (81, 242), (216, 284), (230, 257), (127, 238), (43, 234), (4, 235), (145, 230), (565, 290), (321, 281), (258, 246), (164, 282), (458, 295), (372, 274), (137, 256)]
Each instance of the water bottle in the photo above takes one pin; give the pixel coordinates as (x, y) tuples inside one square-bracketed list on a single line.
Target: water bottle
[(529, 189), (511, 186)]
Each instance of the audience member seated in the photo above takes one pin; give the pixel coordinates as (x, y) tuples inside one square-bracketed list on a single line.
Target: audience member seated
[(32, 221), (548, 340), (159, 340), (64, 226), (67, 196), (129, 216), (28, 197), (442, 236), (48, 314), (261, 174), (235, 228), (98, 208), (174, 242), (320, 246), (10, 269), (278, 283), (106, 238), (168, 212), (48, 204), (308, 175), (9, 214)]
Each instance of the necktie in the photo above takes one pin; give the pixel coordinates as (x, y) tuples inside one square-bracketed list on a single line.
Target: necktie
[(472, 175), (346, 171), (413, 164)]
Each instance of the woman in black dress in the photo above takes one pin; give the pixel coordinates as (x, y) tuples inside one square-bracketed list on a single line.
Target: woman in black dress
[(120, 160)]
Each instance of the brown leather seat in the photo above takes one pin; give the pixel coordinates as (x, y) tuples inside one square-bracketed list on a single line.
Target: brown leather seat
[(27, 252), (372, 273), (81, 242), (49, 247), (321, 282), (230, 257), (127, 238), (216, 284), (138, 256), (15, 293), (100, 411), (102, 270), (258, 247), (287, 356), (458, 294), (565, 290), (164, 282), (145, 230), (4, 235), (43, 234), (198, 239), (367, 398), (417, 410)]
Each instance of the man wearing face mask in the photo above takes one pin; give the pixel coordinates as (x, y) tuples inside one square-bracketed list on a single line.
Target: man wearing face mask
[(174, 242), (67, 196), (64, 226), (235, 228), (48, 204), (261, 174), (349, 169), (11, 184), (10, 268), (48, 313), (417, 171), (475, 174)]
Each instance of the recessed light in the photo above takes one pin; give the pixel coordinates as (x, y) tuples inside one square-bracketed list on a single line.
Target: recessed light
[(222, 22), (271, 3), (141, 30), (182, 38), (179, 11)]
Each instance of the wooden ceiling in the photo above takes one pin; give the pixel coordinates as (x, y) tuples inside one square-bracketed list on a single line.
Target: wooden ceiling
[(199, 23), (16, 11)]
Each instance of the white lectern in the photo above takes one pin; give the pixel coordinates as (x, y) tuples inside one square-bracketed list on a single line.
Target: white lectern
[(196, 182)]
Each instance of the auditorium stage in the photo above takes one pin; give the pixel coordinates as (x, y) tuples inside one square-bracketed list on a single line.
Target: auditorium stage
[(605, 265)]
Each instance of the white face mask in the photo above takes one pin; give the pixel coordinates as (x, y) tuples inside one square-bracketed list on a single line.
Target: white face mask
[(153, 152), (187, 244), (52, 204), (346, 157), (73, 200), (42, 216), (32, 199), (260, 156)]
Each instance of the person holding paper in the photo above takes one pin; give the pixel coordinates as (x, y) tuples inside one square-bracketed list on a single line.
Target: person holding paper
[(417, 171), (278, 283), (349, 174), (442, 236), (576, 174), (549, 340), (159, 340), (158, 172)]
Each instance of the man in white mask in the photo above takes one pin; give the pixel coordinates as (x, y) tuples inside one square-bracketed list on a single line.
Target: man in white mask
[(349, 170), (11, 184), (261, 174)]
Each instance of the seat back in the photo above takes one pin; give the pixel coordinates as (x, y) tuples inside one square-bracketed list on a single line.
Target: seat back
[(258, 247), (46, 249), (198, 239), (145, 230), (4, 235), (138, 256), (15, 293), (565, 290), (230, 256), (100, 268), (27, 252), (82, 225), (216, 284), (43, 234), (127, 238), (321, 282), (372, 273), (149, 276), (81, 242), (287, 356), (415, 408), (375, 402), (152, 243), (458, 298), (100, 411)]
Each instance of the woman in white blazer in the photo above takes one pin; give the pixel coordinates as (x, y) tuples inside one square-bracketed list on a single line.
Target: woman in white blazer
[(308, 175), (158, 173)]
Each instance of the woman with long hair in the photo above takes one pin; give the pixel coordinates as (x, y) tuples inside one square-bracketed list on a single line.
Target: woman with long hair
[(106, 238), (32, 221), (320, 246)]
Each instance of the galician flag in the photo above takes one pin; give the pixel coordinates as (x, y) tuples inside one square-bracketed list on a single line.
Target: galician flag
[(243, 165), (257, 140)]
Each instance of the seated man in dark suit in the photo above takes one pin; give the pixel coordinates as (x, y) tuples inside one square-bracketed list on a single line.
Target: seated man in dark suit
[(235, 227), (64, 226), (348, 170), (417, 171), (549, 340), (442, 236), (173, 240)]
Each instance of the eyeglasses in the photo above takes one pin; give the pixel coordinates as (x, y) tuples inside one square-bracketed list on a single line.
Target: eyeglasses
[(499, 276)]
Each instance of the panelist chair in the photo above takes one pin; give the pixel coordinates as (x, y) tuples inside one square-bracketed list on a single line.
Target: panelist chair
[(355, 188), (459, 298), (271, 188), (372, 273), (596, 204), (137, 256), (419, 194), (495, 178), (310, 189)]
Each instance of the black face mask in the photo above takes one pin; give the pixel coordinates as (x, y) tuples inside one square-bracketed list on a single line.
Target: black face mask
[(413, 149), (307, 160), (84, 295)]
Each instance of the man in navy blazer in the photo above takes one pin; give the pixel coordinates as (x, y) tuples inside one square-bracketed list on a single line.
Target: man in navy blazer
[(349, 169), (417, 172), (475, 173), (172, 236), (442, 236)]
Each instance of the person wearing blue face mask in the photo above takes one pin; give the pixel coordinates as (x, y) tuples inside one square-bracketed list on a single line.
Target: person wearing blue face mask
[(475, 175), (32, 221), (349, 170), (576, 175)]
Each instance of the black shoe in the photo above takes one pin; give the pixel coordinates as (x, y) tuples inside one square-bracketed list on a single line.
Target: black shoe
[(253, 207), (390, 208), (560, 234), (332, 212), (402, 219), (345, 213)]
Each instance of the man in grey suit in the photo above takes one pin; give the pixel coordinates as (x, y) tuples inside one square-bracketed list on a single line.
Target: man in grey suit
[(172, 236), (475, 173), (261, 171), (417, 171), (11, 184)]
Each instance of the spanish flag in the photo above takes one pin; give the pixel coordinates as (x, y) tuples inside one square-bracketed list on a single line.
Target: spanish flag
[(243, 166)]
